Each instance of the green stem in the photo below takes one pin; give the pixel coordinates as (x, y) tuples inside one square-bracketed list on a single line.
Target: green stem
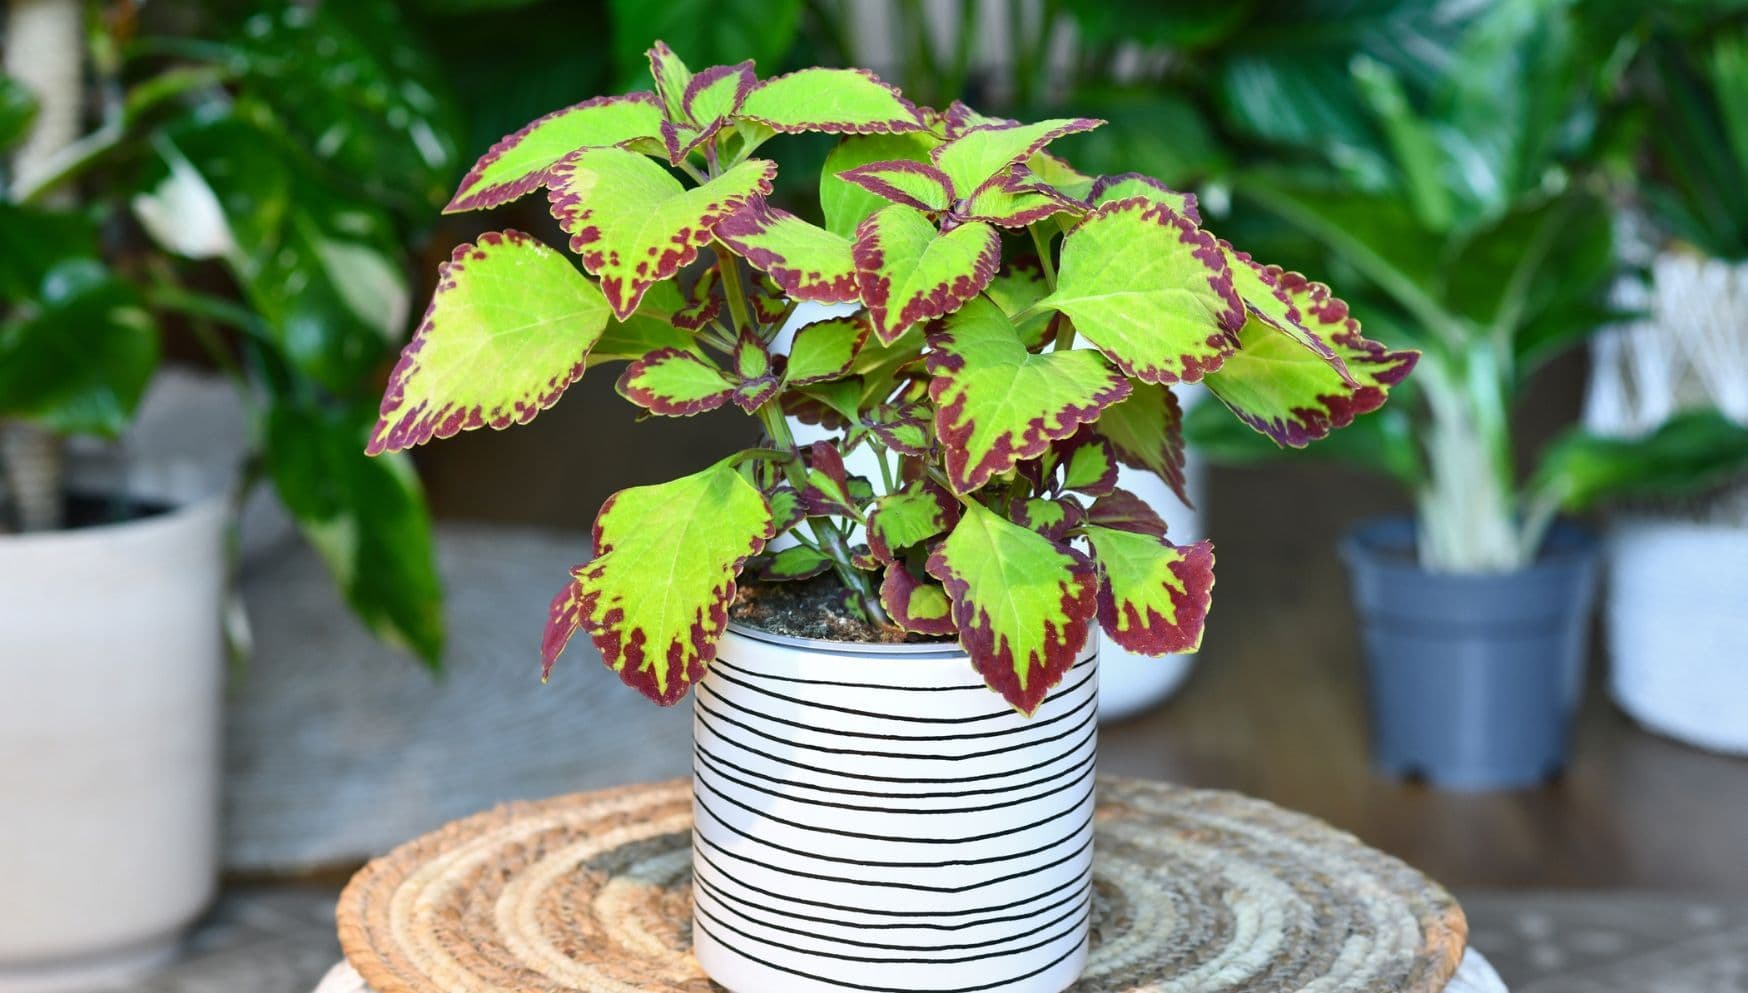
[(886, 478), (728, 270), (830, 542)]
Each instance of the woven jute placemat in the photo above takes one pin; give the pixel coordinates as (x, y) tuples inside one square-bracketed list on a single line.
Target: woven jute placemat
[(1196, 892)]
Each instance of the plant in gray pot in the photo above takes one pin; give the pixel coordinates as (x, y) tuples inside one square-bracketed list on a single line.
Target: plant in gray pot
[(112, 601), (1472, 232), (861, 799)]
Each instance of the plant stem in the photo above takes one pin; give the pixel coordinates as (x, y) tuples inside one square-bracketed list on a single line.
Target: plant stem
[(728, 269), (1468, 512), (830, 542)]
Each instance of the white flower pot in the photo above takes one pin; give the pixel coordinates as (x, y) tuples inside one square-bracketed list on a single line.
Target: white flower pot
[(1678, 629), (874, 817), (111, 680)]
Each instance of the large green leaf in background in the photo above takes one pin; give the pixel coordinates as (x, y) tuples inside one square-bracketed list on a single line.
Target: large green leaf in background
[(77, 359), (323, 269), (365, 516), (1690, 452), (17, 111)]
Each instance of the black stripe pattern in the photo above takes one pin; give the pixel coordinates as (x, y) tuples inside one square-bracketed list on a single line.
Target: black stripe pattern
[(882, 824)]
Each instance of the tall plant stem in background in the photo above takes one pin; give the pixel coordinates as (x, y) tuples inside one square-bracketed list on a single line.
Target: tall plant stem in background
[(1468, 514), (44, 48)]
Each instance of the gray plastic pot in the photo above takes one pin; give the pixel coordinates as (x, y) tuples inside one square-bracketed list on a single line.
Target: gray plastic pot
[(1474, 679)]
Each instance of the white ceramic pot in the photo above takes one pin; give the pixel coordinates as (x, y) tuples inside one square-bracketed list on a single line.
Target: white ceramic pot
[(1678, 629), (111, 681), (874, 817)]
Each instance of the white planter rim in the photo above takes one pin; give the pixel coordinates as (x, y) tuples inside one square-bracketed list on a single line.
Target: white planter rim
[(852, 649), (68, 538)]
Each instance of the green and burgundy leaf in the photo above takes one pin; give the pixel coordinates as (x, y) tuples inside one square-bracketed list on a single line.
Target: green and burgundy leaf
[(517, 164), (996, 403), (834, 404), (563, 618), (1126, 185), (1023, 605), (1062, 177), (717, 93), (673, 382), (1153, 595), (1089, 463), (919, 511), (655, 597), (846, 205), (806, 261), (1053, 519), (509, 328), (1121, 510), (1291, 395), (987, 150), (835, 101), (901, 427), (702, 303), (631, 221), (1263, 290), (1150, 290), (863, 560), (1146, 430), (680, 139), (825, 350), (908, 272), (914, 184), (793, 563), (786, 509), (1016, 200), (916, 605), (758, 376), (828, 484), (959, 118), (1018, 286), (671, 79)]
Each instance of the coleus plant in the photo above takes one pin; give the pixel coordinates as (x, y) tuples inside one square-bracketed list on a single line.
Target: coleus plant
[(970, 259)]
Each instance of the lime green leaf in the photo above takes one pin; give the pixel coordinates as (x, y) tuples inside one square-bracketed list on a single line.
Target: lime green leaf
[(845, 204), (1147, 432), (1018, 286), (984, 151), (674, 382), (786, 509), (1150, 290), (837, 101), (1153, 595), (79, 362), (756, 375), (671, 80), (1128, 185), (903, 427), (1285, 391), (650, 329), (655, 598), (1089, 464), (917, 512), (1018, 201), (366, 517), (1263, 290), (718, 92), (517, 164), (1023, 604), (909, 272), (914, 184), (1053, 519), (805, 261), (508, 329), (632, 222), (792, 563), (996, 403), (825, 350), (914, 604)]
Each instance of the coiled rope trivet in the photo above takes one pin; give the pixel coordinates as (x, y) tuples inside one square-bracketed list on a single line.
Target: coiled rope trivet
[(1196, 891)]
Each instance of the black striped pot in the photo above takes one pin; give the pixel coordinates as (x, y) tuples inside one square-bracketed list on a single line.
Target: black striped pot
[(873, 818)]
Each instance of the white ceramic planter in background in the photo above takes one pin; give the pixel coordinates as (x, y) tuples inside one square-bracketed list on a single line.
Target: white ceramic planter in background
[(111, 680), (1678, 629), (874, 816), (1130, 684)]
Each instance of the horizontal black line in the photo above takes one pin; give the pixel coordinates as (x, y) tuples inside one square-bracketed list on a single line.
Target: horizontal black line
[(1029, 725), (700, 710), (894, 839), (740, 906), (698, 702), (872, 960), (1070, 777), (723, 671), (1085, 878), (701, 805), (889, 989)]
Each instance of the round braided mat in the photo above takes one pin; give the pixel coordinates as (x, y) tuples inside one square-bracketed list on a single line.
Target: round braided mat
[(1196, 891)]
